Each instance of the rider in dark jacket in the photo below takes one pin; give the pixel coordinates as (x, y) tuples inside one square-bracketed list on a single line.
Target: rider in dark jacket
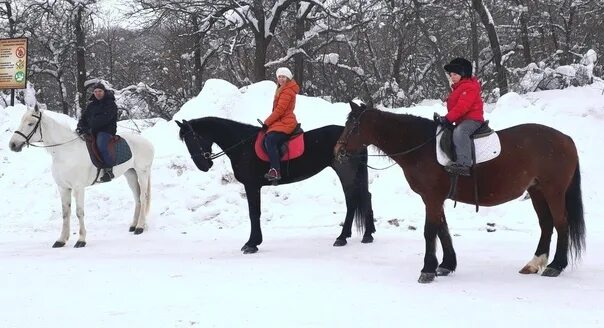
[(100, 119)]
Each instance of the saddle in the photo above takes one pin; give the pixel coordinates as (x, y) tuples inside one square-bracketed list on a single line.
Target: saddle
[(485, 144), (290, 149), (485, 147), (118, 150)]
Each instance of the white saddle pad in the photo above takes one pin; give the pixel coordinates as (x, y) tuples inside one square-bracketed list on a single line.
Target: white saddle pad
[(486, 148)]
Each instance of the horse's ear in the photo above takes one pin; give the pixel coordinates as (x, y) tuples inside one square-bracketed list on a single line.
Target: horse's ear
[(179, 124), (356, 105)]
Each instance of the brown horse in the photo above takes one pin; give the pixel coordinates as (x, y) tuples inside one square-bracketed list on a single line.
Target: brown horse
[(533, 157)]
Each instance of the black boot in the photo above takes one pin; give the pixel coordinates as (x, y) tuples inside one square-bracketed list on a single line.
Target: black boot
[(108, 175), (273, 176), (458, 169)]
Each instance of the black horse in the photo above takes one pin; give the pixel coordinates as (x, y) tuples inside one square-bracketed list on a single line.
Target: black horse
[(237, 142)]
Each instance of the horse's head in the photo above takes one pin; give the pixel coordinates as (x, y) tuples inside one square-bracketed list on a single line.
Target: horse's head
[(28, 129), (350, 139), (199, 148)]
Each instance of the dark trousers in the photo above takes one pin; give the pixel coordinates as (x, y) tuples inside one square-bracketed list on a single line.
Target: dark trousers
[(272, 142), (102, 143)]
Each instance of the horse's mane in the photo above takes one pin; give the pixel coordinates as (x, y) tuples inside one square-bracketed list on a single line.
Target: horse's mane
[(59, 118), (403, 120), (222, 126)]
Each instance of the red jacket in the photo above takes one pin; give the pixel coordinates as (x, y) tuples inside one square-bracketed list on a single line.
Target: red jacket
[(464, 102), (283, 119)]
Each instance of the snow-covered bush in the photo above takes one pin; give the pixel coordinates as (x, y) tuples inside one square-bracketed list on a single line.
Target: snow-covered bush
[(536, 77)]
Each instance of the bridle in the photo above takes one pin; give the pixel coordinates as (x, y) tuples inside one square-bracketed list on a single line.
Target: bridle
[(33, 131), (356, 121), (208, 155)]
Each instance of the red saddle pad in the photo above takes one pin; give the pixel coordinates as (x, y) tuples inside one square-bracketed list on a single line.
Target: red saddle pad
[(294, 148)]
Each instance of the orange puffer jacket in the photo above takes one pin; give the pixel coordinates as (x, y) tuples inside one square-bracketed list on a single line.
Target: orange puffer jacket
[(283, 119)]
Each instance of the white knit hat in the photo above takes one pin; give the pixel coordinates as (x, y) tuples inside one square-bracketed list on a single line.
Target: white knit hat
[(285, 72)]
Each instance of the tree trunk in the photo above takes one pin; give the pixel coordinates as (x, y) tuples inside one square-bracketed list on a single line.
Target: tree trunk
[(262, 43), (80, 58), (568, 57), (398, 60), (474, 40), (11, 20), (197, 67), (433, 44), (62, 95), (489, 25), (299, 58), (524, 34)]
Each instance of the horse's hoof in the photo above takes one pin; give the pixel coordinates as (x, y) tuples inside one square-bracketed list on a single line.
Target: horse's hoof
[(79, 244), (443, 272), (426, 277), (551, 272), (246, 249), (340, 242), (138, 231), (528, 270), (131, 229), (367, 239), (58, 244)]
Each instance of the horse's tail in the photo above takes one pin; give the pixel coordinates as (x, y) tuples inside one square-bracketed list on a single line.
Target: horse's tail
[(576, 223), (363, 214)]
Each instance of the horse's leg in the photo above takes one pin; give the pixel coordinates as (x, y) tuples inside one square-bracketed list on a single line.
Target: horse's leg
[(135, 186), (546, 223), (347, 227), (369, 224), (434, 220), (449, 263), (136, 192), (66, 213), (79, 200), (557, 206), (253, 203), (354, 180), (144, 181)]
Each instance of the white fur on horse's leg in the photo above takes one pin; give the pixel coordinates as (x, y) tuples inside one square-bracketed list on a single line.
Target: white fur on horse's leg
[(66, 214), (131, 177), (535, 265), (79, 200), (144, 181)]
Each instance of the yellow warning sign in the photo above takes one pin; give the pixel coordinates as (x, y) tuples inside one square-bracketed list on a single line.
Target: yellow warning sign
[(13, 63)]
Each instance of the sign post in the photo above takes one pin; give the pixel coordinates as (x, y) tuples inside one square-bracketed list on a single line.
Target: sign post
[(13, 65)]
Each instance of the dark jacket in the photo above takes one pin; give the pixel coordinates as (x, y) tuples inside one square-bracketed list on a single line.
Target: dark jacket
[(100, 115)]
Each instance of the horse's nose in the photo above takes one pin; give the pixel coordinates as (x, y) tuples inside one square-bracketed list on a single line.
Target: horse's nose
[(13, 146)]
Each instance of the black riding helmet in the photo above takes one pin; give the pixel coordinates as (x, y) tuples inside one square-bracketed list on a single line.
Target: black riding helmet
[(460, 66)]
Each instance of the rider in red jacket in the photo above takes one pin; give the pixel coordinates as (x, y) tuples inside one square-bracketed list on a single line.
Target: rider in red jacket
[(465, 110), (282, 121)]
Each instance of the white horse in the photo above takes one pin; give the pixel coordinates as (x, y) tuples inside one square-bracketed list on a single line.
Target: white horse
[(73, 171)]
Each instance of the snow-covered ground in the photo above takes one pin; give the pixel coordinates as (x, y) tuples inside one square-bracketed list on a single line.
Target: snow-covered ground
[(186, 269)]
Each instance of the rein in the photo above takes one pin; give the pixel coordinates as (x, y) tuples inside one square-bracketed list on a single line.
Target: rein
[(356, 122), (209, 155), (33, 131)]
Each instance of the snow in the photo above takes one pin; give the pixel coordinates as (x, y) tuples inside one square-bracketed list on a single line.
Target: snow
[(186, 269)]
